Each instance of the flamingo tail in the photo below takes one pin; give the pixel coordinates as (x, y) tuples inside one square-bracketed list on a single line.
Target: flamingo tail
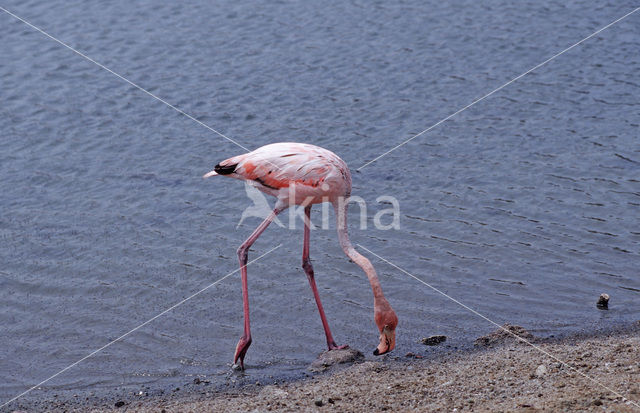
[(225, 169)]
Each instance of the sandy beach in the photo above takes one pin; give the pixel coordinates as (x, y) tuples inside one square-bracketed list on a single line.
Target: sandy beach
[(579, 373)]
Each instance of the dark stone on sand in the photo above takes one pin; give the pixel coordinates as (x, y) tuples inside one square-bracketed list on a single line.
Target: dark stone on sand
[(500, 336), (333, 357), (603, 302), (196, 380), (119, 403), (319, 402), (433, 340)]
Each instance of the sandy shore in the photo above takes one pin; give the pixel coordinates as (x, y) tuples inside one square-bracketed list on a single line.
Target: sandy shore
[(602, 373)]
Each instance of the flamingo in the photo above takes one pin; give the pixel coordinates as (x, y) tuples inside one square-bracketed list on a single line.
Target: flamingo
[(304, 174)]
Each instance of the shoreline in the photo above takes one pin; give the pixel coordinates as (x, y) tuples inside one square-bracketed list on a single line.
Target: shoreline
[(505, 375)]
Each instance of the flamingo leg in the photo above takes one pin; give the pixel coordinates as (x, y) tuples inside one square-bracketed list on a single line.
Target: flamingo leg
[(243, 255), (308, 269)]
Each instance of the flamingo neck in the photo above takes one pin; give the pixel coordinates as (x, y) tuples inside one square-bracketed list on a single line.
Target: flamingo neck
[(362, 261)]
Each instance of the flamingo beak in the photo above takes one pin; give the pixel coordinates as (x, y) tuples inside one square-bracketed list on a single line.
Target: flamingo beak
[(387, 341), (208, 174)]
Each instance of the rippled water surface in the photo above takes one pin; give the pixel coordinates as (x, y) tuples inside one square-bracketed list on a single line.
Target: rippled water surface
[(524, 207)]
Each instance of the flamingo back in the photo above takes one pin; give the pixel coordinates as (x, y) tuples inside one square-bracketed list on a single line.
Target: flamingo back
[(275, 169)]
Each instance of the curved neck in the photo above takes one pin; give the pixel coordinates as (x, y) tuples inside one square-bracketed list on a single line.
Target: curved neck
[(340, 207)]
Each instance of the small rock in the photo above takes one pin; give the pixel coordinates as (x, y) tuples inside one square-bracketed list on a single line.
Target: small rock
[(319, 402), (433, 340), (597, 402), (197, 380), (503, 335), (541, 371), (333, 357), (603, 302), (119, 403)]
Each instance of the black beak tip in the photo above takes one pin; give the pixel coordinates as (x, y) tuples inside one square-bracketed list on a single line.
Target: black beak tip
[(376, 352)]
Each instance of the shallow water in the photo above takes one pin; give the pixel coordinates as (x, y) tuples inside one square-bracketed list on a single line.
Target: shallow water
[(524, 207)]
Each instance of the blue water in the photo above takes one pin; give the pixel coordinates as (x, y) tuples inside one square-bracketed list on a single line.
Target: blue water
[(524, 207)]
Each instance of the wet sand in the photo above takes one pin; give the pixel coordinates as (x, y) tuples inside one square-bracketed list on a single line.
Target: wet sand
[(500, 374)]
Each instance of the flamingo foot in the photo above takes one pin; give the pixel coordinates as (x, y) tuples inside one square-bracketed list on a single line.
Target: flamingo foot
[(241, 350), (334, 346)]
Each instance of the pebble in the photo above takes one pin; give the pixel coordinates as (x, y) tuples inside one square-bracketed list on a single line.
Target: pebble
[(119, 403), (333, 357), (413, 355), (603, 301), (318, 402), (505, 334), (541, 371), (434, 340)]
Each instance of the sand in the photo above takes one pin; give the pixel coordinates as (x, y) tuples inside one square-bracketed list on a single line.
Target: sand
[(602, 373)]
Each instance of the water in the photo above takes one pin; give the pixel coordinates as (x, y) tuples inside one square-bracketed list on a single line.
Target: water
[(524, 207)]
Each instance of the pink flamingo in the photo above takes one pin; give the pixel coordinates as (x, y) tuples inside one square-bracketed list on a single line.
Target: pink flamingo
[(303, 174)]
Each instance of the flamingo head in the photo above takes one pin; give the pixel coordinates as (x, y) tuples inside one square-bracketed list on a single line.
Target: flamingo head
[(387, 321)]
